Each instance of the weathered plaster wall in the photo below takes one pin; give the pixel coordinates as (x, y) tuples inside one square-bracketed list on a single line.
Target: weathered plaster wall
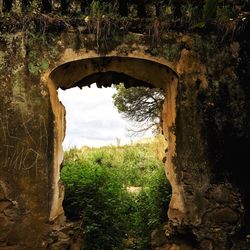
[(204, 211), (26, 147)]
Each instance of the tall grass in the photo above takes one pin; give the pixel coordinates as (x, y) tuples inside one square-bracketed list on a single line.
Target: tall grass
[(120, 194)]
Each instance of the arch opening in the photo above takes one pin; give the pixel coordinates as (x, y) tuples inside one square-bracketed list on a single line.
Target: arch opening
[(123, 166), (95, 115), (106, 71)]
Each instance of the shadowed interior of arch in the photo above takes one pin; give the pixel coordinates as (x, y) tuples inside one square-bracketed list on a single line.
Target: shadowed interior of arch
[(86, 71)]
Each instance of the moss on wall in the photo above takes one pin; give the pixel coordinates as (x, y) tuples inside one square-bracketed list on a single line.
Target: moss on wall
[(212, 124)]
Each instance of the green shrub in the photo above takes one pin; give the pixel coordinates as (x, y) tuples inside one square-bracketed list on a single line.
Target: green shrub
[(96, 192), (96, 196), (150, 209), (99, 8)]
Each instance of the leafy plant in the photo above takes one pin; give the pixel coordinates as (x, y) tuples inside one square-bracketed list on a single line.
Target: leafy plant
[(100, 186), (151, 208), (95, 196), (33, 69), (96, 8)]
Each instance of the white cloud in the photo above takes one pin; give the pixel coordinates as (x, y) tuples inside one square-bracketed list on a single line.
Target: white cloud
[(91, 118)]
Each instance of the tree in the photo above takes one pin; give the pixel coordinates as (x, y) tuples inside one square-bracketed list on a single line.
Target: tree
[(140, 105)]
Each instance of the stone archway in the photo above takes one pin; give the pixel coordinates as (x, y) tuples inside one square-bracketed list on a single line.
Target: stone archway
[(105, 71), (32, 130)]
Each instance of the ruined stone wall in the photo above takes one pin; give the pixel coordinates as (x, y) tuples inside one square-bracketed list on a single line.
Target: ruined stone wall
[(26, 146), (206, 210)]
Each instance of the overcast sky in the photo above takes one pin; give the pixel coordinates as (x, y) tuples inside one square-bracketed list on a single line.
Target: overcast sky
[(92, 119)]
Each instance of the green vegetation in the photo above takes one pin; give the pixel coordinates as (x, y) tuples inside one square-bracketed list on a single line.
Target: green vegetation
[(112, 22), (120, 194), (187, 11), (140, 105), (99, 8)]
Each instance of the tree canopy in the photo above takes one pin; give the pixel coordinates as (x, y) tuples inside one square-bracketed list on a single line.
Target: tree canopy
[(140, 105)]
